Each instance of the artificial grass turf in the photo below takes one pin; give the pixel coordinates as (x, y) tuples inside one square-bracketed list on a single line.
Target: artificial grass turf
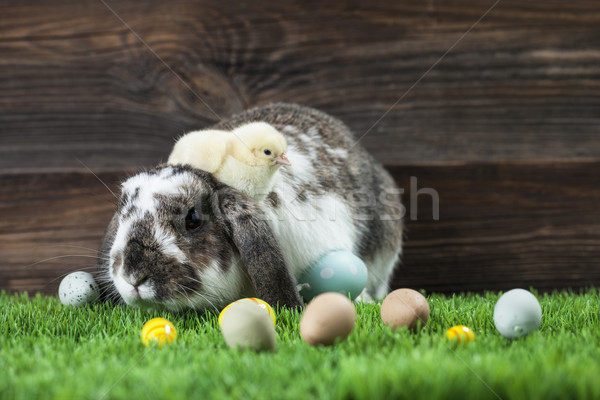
[(51, 351)]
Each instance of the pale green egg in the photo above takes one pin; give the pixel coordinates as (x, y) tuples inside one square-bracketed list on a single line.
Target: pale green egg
[(517, 313), (338, 271)]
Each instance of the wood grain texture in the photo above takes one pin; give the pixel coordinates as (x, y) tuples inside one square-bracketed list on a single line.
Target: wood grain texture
[(505, 127), (500, 226), (75, 82), (51, 224)]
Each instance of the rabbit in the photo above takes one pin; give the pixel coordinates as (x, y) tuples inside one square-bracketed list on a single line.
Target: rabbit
[(180, 239)]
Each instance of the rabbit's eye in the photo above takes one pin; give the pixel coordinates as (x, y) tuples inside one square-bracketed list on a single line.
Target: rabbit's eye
[(267, 152), (192, 220)]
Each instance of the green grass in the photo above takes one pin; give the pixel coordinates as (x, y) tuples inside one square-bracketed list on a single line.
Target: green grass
[(55, 352)]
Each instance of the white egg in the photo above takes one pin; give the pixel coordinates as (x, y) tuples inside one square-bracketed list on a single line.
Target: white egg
[(78, 288), (247, 325), (517, 313)]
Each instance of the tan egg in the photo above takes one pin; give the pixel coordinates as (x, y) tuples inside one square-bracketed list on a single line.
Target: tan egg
[(327, 318), (247, 325), (405, 307)]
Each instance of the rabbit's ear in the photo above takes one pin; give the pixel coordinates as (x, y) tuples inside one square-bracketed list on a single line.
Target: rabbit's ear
[(246, 225)]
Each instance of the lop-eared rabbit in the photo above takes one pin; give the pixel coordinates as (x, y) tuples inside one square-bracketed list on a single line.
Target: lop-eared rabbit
[(180, 239)]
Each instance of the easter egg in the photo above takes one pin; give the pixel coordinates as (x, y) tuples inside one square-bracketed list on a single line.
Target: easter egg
[(160, 331), (405, 307), (78, 288), (261, 303), (246, 325), (517, 313), (460, 334), (338, 271), (328, 318)]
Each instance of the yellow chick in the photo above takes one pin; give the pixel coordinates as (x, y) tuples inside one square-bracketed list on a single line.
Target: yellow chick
[(246, 158)]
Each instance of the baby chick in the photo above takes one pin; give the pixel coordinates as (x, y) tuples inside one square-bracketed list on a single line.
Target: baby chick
[(246, 158)]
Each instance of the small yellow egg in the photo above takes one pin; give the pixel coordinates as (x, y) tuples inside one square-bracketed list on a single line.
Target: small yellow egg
[(263, 304), (460, 334), (158, 330)]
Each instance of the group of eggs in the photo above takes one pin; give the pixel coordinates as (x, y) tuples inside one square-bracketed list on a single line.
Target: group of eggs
[(328, 287), (330, 317), (250, 323), (516, 314)]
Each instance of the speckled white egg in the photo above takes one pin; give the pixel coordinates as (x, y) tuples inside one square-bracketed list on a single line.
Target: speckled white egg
[(337, 271), (517, 313), (78, 288)]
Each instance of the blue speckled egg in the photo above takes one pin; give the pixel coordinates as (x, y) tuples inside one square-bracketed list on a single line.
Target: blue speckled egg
[(78, 288), (338, 271)]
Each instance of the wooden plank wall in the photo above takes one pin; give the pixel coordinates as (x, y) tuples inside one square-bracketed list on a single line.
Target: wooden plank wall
[(501, 117)]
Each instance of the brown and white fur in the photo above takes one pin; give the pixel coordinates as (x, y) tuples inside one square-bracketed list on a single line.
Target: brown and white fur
[(334, 196)]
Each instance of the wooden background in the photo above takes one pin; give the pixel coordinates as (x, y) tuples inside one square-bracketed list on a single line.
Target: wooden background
[(505, 126)]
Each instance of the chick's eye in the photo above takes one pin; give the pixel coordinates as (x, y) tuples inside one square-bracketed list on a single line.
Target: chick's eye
[(267, 152), (192, 220)]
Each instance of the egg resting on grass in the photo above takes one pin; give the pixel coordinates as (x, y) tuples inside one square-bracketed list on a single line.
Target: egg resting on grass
[(328, 318), (261, 303), (246, 325), (337, 271), (160, 331), (460, 334), (405, 308), (517, 313), (78, 288)]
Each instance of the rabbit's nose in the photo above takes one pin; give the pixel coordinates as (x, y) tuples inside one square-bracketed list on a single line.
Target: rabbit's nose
[(140, 281), (136, 281)]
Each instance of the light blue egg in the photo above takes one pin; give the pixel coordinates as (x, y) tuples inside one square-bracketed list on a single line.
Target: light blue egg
[(338, 271)]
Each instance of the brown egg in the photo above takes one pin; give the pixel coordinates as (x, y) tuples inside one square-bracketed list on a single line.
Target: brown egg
[(329, 316), (405, 307)]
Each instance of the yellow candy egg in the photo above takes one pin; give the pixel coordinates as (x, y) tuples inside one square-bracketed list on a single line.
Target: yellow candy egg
[(460, 334), (263, 304), (158, 330)]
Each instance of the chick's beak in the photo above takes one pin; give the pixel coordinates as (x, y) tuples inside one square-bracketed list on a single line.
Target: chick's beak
[(282, 160)]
